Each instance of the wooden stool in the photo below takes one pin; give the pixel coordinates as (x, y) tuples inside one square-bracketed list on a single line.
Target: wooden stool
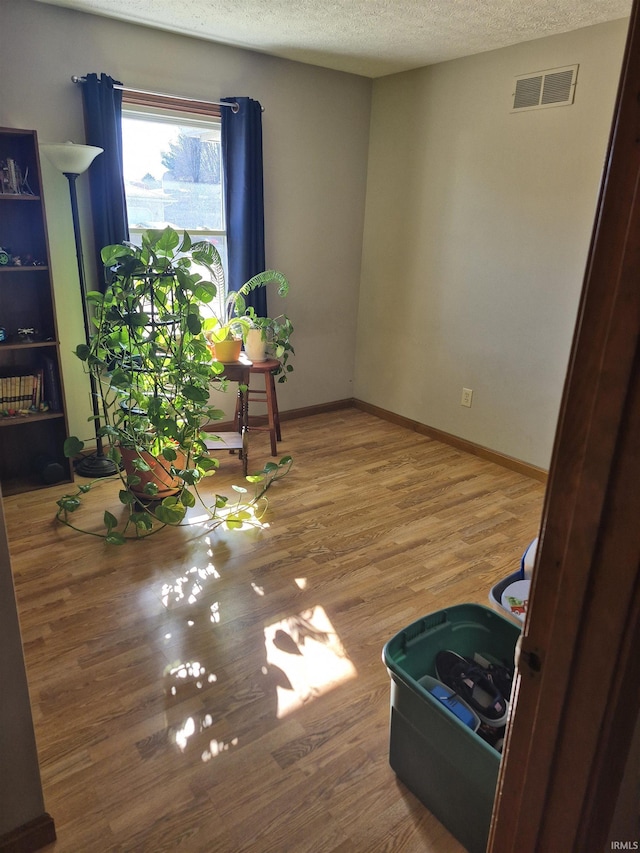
[(236, 371), (268, 396)]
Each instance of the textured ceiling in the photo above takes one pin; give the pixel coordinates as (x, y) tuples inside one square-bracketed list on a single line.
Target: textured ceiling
[(368, 37)]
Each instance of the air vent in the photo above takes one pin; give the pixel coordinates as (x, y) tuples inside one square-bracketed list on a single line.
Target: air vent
[(553, 88)]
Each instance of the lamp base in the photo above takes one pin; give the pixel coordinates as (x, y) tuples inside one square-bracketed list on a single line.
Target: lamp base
[(96, 466)]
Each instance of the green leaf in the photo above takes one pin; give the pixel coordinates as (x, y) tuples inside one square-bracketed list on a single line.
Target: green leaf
[(205, 291), (169, 454), (136, 319), (221, 501), (120, 379), (186, 242), (126, 497), (150, 489), (188, 499), (167, 241), (82, 352), (173, 514), (240, 489), (208, 464), (72, 446), (195, 393), (191, 476), (142, 520), (115, 538), (69, 503), (194, 324), (111, 254), (110, 521)]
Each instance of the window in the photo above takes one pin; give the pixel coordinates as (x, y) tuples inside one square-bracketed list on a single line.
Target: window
[(173, 172)]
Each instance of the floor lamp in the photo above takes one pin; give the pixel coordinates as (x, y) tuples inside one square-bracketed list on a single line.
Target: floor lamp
[(72, 160)]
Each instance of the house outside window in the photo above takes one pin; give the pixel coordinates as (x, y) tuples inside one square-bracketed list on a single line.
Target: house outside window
[(173, 173)]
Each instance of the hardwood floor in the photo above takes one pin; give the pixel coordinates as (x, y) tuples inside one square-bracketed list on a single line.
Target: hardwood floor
[(224, 692)]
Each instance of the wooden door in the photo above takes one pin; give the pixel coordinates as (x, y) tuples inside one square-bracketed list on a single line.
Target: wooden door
[(578, 691)]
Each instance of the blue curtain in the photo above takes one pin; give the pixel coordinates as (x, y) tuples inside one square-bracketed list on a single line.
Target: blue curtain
[(241, 137), (103, 127)]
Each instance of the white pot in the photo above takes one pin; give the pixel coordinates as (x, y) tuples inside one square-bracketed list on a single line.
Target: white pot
[(254, 346)]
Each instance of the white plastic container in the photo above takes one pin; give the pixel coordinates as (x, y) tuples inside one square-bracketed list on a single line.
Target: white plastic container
[(528, 560)]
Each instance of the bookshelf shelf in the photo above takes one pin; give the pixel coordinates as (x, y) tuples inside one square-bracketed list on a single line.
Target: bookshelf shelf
[(24, 420), (27, 269), (33, 345), (30, 372)]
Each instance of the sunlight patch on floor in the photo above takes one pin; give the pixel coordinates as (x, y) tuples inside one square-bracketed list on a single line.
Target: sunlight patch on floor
[(216, 747), (310, 657), (188, 586), (189, 672), (192, 727)]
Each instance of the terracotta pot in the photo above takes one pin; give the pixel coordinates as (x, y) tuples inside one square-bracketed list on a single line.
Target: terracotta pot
[(226, 350), (159, 473)]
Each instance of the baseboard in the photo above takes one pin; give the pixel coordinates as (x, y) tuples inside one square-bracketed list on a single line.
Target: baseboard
[(320, 409), (30, 836), (290, 415), (460, 443)]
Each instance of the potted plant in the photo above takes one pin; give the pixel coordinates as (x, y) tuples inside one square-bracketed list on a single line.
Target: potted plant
[(238, 323), (154, 372), (267, 335)]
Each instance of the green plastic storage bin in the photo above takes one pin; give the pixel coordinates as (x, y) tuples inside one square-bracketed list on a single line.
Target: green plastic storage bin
[(450, 768)]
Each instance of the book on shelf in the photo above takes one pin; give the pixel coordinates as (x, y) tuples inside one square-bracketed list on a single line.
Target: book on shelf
[(36, 390), (51, 388), (22, 393), (13, 181)]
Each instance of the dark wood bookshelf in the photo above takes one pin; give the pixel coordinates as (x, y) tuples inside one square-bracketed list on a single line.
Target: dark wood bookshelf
[(29, 441)]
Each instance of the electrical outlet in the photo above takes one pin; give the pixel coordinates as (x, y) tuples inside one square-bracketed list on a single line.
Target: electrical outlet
[(467, 396)]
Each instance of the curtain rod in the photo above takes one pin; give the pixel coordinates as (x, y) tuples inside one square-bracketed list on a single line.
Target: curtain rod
[(235, 107)]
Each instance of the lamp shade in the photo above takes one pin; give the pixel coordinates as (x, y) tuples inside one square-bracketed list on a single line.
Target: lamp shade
[(70, 157)]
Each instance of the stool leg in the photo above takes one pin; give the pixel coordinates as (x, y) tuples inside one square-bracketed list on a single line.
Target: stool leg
[(272, 407), (242, 415), (276, 413), (237, 425)]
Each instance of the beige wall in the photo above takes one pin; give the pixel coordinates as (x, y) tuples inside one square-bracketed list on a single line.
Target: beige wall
[(316, 128), (477, 227), (477, 220)]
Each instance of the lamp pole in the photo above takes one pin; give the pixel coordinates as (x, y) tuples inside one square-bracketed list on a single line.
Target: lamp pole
[(72, 160)]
